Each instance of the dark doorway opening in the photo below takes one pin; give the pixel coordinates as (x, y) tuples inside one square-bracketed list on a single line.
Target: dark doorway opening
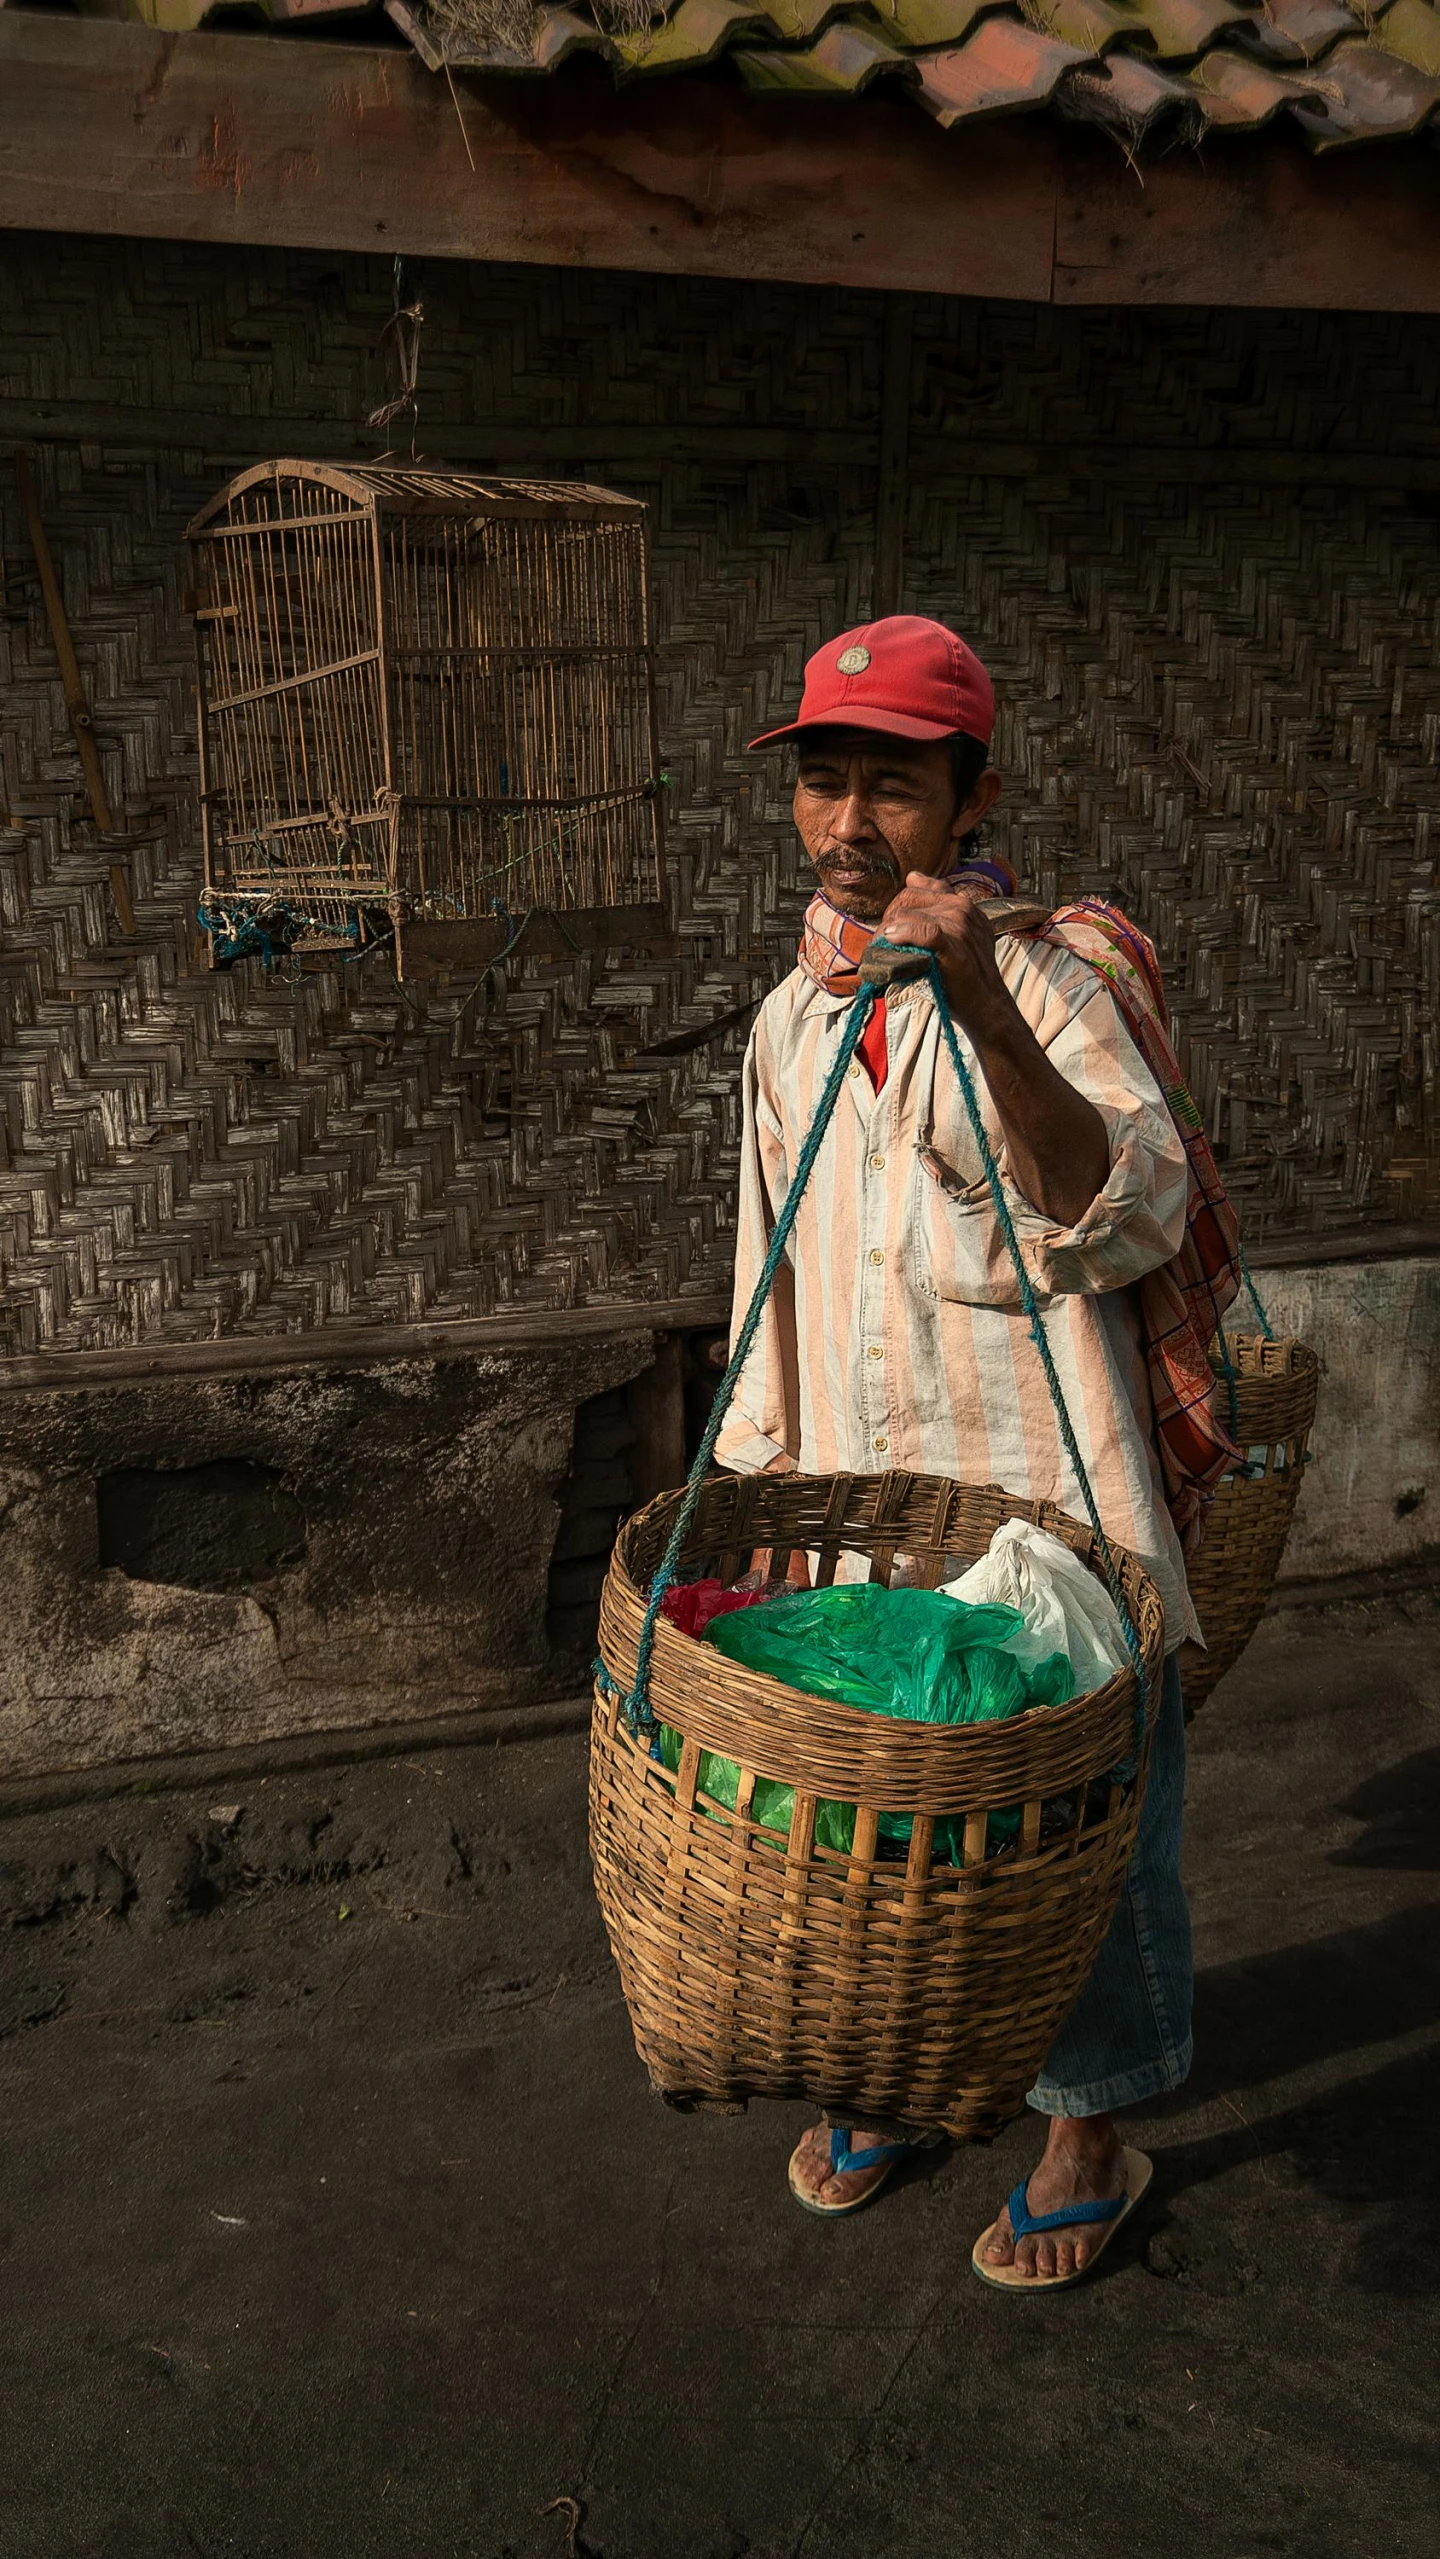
[(216, 1527), (630, 1443)]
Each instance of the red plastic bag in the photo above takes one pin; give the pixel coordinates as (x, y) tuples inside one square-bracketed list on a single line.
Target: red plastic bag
[(691, 1605)]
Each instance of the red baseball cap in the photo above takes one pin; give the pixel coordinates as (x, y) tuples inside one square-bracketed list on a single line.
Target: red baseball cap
[(905, 676)]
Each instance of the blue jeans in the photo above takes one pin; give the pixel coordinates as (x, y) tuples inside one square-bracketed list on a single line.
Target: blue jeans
[(1128, 2035)]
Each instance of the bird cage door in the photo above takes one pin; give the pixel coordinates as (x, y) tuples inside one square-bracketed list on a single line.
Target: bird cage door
[(522, 711), (298, 810)]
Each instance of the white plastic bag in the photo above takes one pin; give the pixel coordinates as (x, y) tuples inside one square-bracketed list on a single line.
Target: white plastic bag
[(1066, 1610)]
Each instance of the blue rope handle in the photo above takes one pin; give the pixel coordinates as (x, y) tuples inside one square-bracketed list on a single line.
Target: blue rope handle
[(1038, 1335), (639, 1713), (1245, 1274), (1232, 1382)]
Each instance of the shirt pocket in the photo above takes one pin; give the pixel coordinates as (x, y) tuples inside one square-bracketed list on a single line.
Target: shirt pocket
[(955, 1250)]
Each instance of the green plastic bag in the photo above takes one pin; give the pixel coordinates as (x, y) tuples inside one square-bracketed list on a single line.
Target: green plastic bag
[(910, 1653), (771, 1805), (914, 1653)]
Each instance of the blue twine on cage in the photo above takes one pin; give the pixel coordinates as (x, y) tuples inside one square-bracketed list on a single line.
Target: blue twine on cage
[(639, 1713), (270, 935), (238, 939), (367, 950)]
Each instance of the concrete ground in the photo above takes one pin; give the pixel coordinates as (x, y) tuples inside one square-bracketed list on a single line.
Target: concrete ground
[(336, 2218)]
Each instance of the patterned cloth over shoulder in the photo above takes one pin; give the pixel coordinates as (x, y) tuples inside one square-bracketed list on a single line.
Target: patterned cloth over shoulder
[(1182, 1303)]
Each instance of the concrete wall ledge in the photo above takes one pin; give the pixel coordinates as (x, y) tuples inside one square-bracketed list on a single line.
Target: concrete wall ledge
[(194, 1558), (1372, 1489), (362, 1345), (426, 1462)]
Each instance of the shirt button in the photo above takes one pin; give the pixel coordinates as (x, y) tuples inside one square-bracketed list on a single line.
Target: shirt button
[(877, 1163), (880, 1444), (877, 1257), (854, 1071), (876, 1351)]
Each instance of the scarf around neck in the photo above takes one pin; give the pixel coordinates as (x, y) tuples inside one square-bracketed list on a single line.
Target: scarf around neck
[(833, 945)]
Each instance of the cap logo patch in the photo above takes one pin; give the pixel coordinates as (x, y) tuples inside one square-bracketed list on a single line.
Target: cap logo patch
[(853, 661)]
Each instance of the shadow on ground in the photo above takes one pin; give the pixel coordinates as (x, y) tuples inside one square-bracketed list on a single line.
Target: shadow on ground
[(337, 2222), (1400, 1808)]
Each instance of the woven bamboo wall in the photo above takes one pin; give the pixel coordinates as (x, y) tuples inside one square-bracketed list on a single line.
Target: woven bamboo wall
[(1222, 700)]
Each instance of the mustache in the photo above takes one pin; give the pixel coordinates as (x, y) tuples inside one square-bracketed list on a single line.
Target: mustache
[(876, 858)]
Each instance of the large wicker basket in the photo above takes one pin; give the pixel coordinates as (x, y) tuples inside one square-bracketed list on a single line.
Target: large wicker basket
[(884, 1988), (1234, 1571)]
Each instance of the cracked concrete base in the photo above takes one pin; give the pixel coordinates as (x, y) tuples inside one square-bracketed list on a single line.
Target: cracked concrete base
[(424, 1497), (337, 2222)]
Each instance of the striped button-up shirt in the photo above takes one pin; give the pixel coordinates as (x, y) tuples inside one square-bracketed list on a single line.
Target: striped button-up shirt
[(894, 1335)]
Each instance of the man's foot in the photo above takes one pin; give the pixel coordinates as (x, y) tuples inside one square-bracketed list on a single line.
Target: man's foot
[(814, 2182), (1084, 2162)]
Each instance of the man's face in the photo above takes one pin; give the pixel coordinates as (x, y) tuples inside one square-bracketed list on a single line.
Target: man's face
[(870, 809)]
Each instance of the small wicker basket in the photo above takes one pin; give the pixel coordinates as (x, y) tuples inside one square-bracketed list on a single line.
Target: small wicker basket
[(1233, 1573), (883, 1987)]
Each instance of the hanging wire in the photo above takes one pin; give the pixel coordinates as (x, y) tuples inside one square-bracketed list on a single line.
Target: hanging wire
[(402, 329)]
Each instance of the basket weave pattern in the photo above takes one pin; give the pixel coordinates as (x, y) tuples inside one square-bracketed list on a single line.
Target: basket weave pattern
[(1185, 656), (881, 1985), (1232, 1575)]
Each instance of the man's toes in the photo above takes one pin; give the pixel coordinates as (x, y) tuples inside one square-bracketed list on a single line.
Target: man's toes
[(1081, 2254), (1065, 2256), (843, 2186), (1045, 2255), (1025, 2256), (812, 2162), (1000, 2246)]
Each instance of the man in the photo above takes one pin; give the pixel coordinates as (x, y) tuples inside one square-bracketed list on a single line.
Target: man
[(894, 1336)]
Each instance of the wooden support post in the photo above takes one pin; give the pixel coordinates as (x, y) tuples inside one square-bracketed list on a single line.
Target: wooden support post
[(655, 1401), (889, 574), (76, 701)]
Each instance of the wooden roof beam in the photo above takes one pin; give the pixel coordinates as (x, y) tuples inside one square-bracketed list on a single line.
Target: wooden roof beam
[(115, 128)]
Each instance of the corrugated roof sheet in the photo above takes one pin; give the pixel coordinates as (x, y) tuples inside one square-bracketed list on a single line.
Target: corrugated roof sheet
[(1343, 71)]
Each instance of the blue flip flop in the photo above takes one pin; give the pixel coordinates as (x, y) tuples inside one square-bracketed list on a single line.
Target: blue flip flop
[(881, 2154), (1024, 2224)]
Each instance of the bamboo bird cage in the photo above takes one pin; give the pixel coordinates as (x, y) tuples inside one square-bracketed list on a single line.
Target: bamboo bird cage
[(426, 709)]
